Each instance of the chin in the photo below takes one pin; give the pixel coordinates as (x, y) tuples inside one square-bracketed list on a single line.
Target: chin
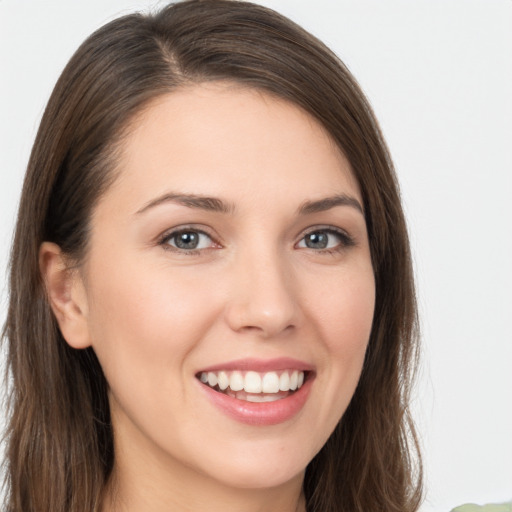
[(267, 478), (263, 471)]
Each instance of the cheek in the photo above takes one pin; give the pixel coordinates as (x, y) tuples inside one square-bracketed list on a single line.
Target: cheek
[(144, 313), (144, 324), (344, 320), (345, 314)]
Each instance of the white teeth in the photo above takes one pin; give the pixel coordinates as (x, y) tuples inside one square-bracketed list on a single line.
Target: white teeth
[(236, 382), (212, 379), (262, 398), (252, 383), (270, 383), (223, 380), (294, 379), (284, 382)]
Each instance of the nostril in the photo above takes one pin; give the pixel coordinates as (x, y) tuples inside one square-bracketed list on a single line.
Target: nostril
[(263, 306)]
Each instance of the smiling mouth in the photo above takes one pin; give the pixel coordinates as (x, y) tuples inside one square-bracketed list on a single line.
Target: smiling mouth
[(254, 386)]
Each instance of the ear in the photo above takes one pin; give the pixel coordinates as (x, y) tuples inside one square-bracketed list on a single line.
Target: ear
[(66, 293)]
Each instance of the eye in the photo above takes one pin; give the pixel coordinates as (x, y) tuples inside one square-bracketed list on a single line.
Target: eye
[(188, 240), (325, 239)]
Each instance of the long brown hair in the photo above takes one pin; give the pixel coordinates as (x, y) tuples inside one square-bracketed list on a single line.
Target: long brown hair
[(59, 439)]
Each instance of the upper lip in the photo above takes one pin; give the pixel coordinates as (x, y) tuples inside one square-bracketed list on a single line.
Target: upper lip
[(260, 365)]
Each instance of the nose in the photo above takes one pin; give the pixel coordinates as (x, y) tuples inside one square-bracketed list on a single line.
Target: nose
[(263, 297)]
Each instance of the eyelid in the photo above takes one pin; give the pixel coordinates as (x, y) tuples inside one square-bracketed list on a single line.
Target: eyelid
[(346, 240), (167, 235)]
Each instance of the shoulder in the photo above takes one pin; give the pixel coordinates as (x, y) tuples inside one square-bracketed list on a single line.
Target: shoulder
[(470, 507)]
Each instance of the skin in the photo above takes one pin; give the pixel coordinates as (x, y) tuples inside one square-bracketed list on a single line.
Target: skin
[(156, 315)]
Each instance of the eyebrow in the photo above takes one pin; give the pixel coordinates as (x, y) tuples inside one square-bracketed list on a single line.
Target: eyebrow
[(211, 204), (214, 204), (327, 203)]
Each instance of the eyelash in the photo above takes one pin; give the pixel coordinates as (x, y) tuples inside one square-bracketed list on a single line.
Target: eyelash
[(345, 240), (167, 237)]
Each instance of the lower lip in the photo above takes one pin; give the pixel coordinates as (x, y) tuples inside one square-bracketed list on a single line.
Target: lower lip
[(260, 413)]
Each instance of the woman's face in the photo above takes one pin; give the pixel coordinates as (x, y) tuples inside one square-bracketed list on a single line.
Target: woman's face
[(231, 249)]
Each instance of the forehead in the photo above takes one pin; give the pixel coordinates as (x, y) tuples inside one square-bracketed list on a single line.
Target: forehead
[(222, 139)]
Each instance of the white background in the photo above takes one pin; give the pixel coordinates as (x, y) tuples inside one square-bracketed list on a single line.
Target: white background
[(439, 75)]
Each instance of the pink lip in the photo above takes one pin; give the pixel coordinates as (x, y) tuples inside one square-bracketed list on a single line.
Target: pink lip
[(260, 413), (261, 365)]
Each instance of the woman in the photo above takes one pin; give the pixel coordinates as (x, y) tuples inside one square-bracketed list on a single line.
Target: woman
[(212, 303)]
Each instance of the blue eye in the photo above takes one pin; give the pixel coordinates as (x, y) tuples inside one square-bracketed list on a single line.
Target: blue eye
[(325, 239), (188, 240)]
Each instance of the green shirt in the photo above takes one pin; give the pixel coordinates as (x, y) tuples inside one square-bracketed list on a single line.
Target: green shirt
[(471, 507)]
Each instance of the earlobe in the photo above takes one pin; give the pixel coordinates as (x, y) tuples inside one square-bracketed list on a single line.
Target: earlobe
[(66, 294)]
